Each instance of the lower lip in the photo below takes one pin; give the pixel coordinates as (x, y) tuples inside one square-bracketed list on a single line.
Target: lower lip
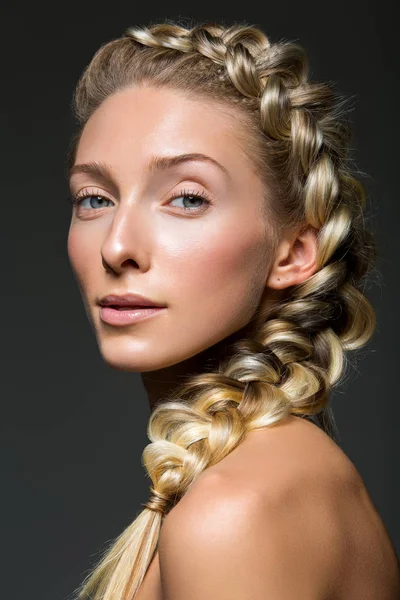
[(127, 316)]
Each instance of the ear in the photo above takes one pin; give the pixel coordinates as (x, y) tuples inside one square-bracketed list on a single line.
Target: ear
[(295, 259)]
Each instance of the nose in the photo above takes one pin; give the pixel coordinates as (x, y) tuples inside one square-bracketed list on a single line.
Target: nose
[(126, 242)]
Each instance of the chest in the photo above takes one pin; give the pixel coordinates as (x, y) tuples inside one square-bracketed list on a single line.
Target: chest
[(150, 588)]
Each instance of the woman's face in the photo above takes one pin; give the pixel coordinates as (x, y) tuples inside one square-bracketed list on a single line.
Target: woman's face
[(207, 264)]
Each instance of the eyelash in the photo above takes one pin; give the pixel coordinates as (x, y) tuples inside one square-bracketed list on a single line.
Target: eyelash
[(78, 198)]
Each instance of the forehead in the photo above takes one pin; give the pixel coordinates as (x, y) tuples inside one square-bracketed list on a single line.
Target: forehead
[(144, 121)]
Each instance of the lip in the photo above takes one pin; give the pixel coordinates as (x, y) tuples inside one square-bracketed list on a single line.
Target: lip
[(129, 300), (127, 316)]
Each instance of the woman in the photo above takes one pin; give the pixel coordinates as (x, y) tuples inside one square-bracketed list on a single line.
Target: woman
[(211, 177)]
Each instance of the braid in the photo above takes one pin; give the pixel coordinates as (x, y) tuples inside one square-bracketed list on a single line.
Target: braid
[(296, 352)]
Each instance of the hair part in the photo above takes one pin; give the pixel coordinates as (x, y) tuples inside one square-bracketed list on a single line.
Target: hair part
[(296, 134)]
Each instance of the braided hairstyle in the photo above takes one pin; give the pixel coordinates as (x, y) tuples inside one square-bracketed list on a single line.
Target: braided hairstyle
[(298, 138)]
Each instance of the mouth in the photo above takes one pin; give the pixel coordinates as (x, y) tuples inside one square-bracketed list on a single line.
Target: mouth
[(117, 315), (136, 307)]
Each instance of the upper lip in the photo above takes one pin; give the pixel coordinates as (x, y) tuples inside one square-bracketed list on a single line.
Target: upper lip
[(128, 300)]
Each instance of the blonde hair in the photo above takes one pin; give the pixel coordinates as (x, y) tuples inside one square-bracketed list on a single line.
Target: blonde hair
[(299, 139)]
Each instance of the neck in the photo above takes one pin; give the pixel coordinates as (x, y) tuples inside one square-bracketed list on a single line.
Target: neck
[(161, 382)]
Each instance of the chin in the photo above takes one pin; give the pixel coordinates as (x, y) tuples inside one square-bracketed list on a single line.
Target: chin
[(133, 360), (126, 368), (124, 362)]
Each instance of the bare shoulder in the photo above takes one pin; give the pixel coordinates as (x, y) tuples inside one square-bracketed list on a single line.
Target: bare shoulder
[(285, 515), (221, 544)]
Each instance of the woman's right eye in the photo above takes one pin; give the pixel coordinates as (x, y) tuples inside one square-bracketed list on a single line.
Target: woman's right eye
[(78, 199)]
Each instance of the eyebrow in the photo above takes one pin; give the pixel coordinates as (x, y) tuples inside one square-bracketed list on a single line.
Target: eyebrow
[(159, 163)]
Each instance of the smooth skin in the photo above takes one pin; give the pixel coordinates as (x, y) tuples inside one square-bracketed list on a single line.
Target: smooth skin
[(285, 516), (270, 520)]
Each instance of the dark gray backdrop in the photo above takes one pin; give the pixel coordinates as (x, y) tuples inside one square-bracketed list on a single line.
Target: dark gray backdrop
[(73, 430)]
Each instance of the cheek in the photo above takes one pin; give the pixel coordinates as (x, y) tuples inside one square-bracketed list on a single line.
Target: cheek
[(81, 253), (220, 278)]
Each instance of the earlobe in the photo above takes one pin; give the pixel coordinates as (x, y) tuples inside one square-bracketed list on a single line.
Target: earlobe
[(295, 260)]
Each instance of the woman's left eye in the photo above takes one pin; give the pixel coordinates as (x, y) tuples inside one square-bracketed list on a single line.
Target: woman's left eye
[(191, 197)]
